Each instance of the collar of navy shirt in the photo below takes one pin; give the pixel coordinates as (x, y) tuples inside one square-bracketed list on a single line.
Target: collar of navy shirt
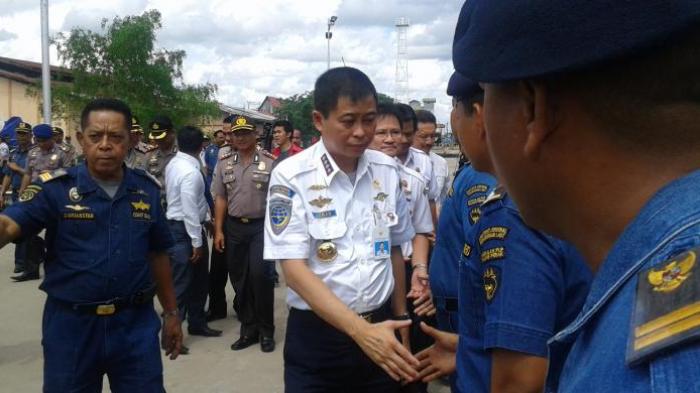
[(86, 184)]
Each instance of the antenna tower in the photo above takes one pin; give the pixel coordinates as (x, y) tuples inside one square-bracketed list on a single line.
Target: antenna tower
[(401, 94)]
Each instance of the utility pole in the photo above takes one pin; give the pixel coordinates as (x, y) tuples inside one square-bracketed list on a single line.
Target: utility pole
[(45, 61), (401, 80), (329, 35)]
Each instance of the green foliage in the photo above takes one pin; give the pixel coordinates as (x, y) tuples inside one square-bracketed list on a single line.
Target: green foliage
[(298, 109), (121, 61)]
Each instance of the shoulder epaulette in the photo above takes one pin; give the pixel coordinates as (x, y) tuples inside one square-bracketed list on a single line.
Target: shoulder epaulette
[(47, 176), (64, 148), (225, 153), (497, 194), (144, 148), (147, 175)]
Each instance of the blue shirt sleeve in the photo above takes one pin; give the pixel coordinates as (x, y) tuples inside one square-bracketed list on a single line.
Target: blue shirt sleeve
[(160, 237), (34, 211), (522, 283)]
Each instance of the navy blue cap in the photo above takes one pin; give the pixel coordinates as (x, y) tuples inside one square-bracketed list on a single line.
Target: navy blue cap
[(42, 131), (459, 86), (497, 41)]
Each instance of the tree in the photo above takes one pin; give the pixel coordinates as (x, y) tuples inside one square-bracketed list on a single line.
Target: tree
[(298, 109), (121, 61)]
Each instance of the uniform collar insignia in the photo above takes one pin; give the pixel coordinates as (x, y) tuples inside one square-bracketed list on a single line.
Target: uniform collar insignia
[(320, 202), (327, 166), (235, 158), (256, 158)]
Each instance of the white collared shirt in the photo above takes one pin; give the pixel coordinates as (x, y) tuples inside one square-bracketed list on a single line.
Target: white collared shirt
[(311, 201), (420, 162), (441, 172), (413, 186), (184, 185)]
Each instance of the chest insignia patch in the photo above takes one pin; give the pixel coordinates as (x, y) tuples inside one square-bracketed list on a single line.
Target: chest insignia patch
[(320, 202), (140, 210), (280, 212), (318, 187), (491, 277), (492, 233), (476, 201), (467, 250), (78, 212), (493, 254), (381, 197), (74, 195), (666, 310), (376, 185)]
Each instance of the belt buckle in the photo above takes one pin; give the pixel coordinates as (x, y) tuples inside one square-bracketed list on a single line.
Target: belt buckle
[(244, 220), (105, 309)]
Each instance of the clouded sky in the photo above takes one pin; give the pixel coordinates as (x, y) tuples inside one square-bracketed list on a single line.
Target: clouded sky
[(251, 49)]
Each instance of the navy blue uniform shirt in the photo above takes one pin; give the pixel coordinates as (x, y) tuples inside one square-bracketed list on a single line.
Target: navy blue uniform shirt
[(211, 157), (20, 158), (639, 327), (517, 288), (97, 247), (459, 211)]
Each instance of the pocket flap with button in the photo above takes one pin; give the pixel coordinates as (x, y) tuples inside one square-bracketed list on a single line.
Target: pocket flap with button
[(327, 230)]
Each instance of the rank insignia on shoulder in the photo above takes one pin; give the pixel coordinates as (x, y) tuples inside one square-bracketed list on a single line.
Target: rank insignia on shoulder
[(667, 308), (48, 176), (477, 188), (280, 212), (491, 277)]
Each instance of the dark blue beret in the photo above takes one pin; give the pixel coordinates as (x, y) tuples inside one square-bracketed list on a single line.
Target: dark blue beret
[(498, 41), (42, 131), (459, 86)]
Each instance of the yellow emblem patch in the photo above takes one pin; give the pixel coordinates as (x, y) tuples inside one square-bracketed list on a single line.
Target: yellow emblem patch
[(29, 193), (46, 176), (320, 202), (141, 210), (476, 201), (492, 233), (671, 276), (77, 208), (493, 254), (475, 214), (491, 282), (467, 250), (140, 205)]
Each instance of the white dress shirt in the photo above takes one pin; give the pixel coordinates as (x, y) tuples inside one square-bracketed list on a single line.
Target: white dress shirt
[(184, 185), (413, 186), (311, 201), (420, 162), (441, 172)]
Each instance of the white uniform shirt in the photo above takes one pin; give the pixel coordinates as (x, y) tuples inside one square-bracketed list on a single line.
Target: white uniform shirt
[(184, 185), (413, 187), (420, 162), (311, 201), (441, 173)]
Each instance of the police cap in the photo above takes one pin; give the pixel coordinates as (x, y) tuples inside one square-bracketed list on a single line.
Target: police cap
[(159, 127), (459, 86), (42, 131), (497, 41), (23, 127), (56, 130), (242, 124), (135, 126)]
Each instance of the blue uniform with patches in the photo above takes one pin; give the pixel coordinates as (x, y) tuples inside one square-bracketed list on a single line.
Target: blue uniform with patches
[(20, 158), (468, 186), (97, 254), (211, 157), (517, 288), (639, 326)]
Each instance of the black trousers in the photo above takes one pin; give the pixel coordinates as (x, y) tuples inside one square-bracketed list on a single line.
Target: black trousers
[(320, 358), (419, 340), (218, 277), (251, 276)]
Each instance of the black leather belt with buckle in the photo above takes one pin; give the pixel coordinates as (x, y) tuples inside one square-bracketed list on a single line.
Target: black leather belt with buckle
[(245, 220), (112, 306)]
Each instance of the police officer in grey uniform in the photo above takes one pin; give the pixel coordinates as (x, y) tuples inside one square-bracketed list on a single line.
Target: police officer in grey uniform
[(240, 186), (163, 135), (136, 158), (68, 149)]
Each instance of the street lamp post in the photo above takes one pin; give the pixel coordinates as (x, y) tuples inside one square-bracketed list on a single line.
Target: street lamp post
[(45, 60), (329, 35)]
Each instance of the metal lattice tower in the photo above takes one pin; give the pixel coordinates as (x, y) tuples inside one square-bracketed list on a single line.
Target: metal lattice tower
[(401, 94)]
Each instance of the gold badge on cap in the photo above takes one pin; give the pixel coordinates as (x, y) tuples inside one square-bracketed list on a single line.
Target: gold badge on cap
[(262, 166), (241, 121), (74, 195), (155, 126), (327, 251)]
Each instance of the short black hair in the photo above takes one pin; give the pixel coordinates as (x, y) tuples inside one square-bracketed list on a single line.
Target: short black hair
[(424, 116), (648, 101), (286, 124), (217, 132), (469, 102), (387, 109), (190, 139), (106, 104), (341, 82), (407, 114)]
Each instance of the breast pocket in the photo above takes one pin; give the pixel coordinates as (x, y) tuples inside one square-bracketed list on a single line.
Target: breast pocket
[(139, 222), (261, 179), (327, 246)]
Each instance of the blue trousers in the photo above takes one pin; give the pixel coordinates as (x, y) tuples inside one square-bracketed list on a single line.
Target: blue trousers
[(447, 321), (191, 280), (80, 348), (320, 358)]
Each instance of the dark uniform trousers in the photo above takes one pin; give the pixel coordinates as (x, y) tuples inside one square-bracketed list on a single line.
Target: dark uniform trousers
[(320, 358), (419, 340), (218, 277), (190, 280), (80, 347), (251, 276)]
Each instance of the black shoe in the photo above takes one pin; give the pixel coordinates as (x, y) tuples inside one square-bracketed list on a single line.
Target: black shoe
[(18, 270), (215, 316), (26, 277), (204, 331), (244, 342), (267, 344)]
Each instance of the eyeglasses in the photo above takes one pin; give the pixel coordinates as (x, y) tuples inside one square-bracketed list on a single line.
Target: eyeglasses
[(385, 133)]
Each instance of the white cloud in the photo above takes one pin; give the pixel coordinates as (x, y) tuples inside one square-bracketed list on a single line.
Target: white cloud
[(251, 49)]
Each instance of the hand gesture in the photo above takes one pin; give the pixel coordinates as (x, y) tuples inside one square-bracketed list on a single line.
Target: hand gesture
[(440, 358), (379, 342), (171, 338)]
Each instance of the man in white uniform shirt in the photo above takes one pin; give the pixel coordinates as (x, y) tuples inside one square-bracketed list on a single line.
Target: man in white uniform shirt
[(426, 134), (331, 210), (187, 212)]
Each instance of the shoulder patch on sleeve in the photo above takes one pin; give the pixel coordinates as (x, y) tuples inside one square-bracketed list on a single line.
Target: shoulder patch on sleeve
[(30, 192), (280, 213), (46, 177), (492, 276), (667, 308), (492, 233)]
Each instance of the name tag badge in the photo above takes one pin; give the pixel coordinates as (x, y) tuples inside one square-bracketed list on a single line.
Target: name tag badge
[(380, 241)]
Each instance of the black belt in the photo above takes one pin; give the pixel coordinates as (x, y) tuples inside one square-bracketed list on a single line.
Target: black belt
[(246, 220), (446, 303), (375, 316), (112, 306)]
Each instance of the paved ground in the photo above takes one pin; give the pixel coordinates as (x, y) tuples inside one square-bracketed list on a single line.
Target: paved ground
[(210, 367)]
